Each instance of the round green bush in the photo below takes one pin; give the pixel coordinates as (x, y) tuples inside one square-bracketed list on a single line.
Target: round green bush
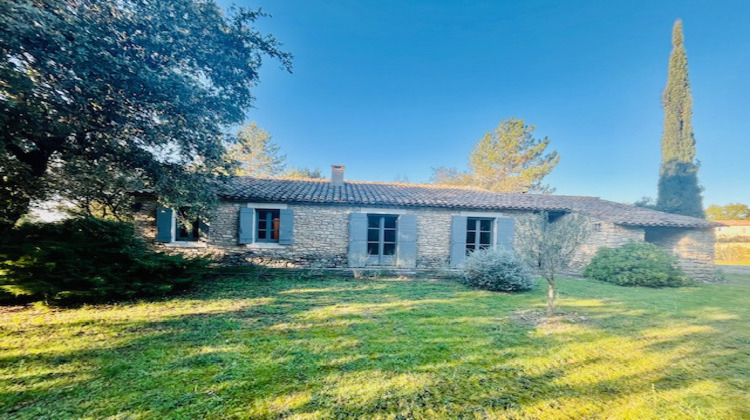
[(636, 264), (497, 270)]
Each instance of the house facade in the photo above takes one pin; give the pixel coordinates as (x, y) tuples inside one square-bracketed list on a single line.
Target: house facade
[(733, 230), (321, 223)]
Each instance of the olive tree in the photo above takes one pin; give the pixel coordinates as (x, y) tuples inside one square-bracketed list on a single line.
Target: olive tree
[(548, 244)]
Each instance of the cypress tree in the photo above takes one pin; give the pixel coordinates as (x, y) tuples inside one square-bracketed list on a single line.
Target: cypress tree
[(679, 191)]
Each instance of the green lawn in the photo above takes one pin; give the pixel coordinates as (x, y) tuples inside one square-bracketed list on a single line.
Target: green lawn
[(390, 348)]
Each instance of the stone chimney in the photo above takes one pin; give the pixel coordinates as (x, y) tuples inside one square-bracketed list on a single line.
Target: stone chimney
[(337, 175)]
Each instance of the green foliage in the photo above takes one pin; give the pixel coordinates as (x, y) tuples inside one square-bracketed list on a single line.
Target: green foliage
[(646, 202), (732, 211), (88, 260), (679, 191), (497, 270), (548, 244), (254, 153), (636, 264), (296, 172), (143, 88), (96, 189), (507, 159)]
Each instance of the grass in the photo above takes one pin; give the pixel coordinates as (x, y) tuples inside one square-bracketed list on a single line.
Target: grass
[(389, 348)]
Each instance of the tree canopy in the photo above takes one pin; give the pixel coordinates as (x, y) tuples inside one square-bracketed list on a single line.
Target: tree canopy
[(255, 153), (549, 244), (733, 211), (507, 159), (302, 172), (144, 88), (679, 191)]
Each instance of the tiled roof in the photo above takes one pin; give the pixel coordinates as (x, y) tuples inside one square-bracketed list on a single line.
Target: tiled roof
[(421, 195)]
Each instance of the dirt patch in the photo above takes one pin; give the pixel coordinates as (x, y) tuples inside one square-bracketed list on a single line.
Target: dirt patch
[(538, 318)]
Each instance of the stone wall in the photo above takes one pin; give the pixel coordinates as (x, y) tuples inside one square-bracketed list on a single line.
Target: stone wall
[(603, 234), (321, 239), (694, 249)]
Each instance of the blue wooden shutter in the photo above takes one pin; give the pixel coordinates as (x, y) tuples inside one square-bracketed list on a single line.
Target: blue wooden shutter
[(247, 225), (458, 241), (204, 227), (505, 231), (164, 224), (286, 228), (357, 240), (407, 241)]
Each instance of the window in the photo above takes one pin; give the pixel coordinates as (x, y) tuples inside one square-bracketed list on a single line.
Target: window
[(381, 238), (187, 230), (478, 234), (267, 225)]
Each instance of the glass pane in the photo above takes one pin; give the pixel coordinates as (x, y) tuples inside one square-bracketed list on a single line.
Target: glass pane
[(261, 224), (389, 249), (469, 249), (484, 238), (390, 222), (372, 235), (486, 225), (373, 221), (261, 234), (372, 248), (389, 236), (471, 237), (472, 224)]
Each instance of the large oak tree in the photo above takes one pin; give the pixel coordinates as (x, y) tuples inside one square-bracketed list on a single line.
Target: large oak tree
[(145, 88)]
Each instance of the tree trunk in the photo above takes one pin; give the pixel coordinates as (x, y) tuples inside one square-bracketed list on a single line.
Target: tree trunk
[(550, 296)]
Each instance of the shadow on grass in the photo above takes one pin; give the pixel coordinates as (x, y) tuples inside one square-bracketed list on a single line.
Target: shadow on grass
[(249, 348)]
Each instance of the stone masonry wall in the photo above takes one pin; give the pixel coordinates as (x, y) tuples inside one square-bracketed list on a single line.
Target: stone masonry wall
[(694, 249), (603, 234), (321, 239)]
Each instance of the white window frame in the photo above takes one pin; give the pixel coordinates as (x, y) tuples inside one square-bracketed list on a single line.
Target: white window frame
[(174, 243), (487, 215), (380, 210), (264, 206)]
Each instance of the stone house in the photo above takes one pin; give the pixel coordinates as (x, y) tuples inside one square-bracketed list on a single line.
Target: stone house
[(322, 223), (733, 230)]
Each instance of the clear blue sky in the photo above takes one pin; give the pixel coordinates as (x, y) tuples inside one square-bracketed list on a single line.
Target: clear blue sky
[(393, 87)]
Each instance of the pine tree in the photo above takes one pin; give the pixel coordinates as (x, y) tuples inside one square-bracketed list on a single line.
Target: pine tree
[(679, 191), (507, 159)]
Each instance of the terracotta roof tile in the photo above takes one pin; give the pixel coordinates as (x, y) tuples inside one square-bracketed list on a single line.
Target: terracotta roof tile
[(423, 195)]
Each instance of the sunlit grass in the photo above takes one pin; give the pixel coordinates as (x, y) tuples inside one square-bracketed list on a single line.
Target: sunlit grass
[(247, 348)]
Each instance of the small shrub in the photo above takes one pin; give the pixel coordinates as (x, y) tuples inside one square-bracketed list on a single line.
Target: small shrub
[(88, 260), (636, 264), (497, 270)]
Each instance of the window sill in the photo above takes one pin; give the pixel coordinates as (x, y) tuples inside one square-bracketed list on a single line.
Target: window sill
[(264, 245), (186, 244)]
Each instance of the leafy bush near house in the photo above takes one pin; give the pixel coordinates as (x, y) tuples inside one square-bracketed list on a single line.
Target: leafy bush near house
[(636, 264), (88, 260), (497, 270)]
